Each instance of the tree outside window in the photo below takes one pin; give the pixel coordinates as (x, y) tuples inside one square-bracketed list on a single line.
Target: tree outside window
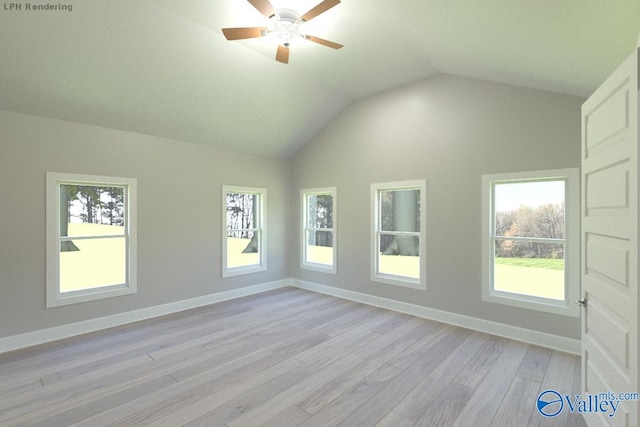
[(529, 238), (318, 247), (399, 248), (243, 245), (531, 255), (90, 237)]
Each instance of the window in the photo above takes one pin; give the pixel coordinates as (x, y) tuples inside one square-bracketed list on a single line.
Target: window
[(531, 250), (398, 233), (318, 234), (91, 238), (243, 248)]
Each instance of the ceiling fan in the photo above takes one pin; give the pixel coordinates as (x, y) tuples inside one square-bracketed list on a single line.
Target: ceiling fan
[(285, 26)]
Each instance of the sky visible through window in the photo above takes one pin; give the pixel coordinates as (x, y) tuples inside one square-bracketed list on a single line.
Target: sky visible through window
[(509, 197)]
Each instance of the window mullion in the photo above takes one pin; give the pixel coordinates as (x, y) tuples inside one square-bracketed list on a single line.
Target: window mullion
[(105, 236), (530, 239), (400, 233)]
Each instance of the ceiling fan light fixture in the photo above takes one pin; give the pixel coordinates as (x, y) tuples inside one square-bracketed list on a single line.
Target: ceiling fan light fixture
[(285, 26)]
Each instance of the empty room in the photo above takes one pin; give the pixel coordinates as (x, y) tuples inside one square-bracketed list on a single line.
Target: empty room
[(319, 213)]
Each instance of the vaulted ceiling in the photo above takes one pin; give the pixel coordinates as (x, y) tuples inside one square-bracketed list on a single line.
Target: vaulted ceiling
[(164, 68)]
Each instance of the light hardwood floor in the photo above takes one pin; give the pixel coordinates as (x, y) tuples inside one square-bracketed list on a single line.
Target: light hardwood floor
[(284, 358)]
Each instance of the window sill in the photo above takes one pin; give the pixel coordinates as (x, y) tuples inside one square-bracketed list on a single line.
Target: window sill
[(399, 281), (95, 294), (562, 308)]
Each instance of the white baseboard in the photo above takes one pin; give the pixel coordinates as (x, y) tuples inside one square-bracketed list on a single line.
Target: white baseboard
[(43, 336), (554, 342), (65, 331)]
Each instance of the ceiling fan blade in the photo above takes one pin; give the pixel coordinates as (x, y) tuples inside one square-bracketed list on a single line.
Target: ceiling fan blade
[(318, 9), (323, 42), (243, 33), (282, 55), (263, 7)]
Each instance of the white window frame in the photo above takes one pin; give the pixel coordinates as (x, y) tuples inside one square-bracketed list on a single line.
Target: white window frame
[(332, 191), (261, 229), (391, 279), (55, 298), (567, 306)]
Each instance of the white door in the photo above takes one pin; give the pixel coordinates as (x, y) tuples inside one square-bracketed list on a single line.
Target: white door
[(610, 243)]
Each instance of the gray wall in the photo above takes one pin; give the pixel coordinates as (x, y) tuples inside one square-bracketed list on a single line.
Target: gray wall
[(450, 131), (446, 129), (179, 214)]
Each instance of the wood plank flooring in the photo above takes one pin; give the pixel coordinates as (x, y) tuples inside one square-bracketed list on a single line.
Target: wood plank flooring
[(284, 358)]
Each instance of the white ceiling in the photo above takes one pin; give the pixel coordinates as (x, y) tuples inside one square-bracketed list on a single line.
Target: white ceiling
[(163, 67)]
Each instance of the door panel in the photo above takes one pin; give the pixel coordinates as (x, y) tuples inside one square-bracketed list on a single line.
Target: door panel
[(608, 259), (608, 188), (609, 122), (610, 242)]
